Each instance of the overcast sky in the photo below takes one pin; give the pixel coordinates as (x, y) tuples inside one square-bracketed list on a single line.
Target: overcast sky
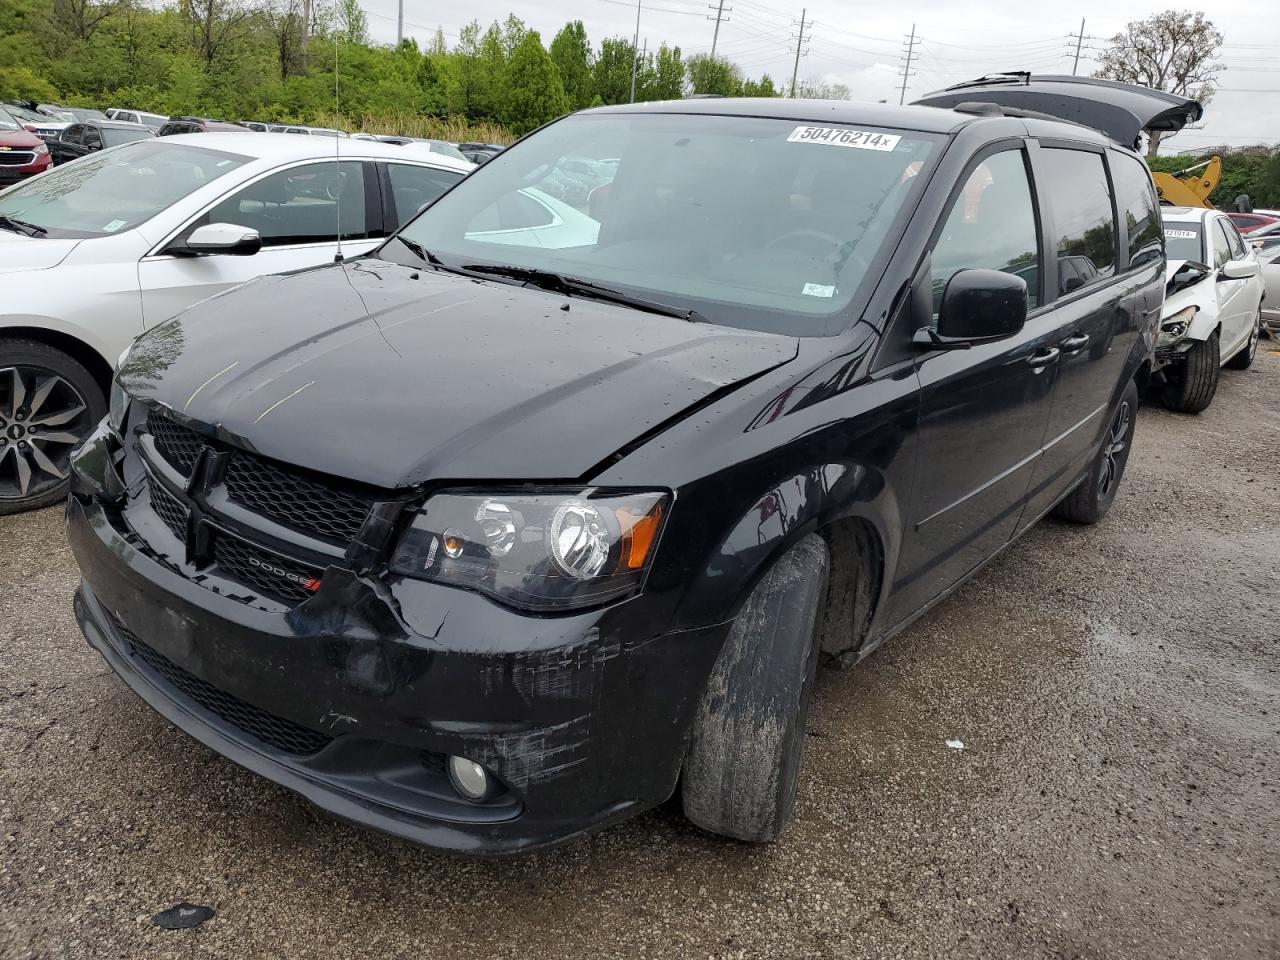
[(861, 45)]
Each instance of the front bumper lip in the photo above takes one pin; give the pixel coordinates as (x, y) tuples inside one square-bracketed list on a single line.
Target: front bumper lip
[(582, 735)]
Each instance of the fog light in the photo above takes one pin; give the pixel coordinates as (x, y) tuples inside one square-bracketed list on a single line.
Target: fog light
[(469, 778)]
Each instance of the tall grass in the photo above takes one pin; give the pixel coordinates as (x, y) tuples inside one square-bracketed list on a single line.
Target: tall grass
[(456, 129)]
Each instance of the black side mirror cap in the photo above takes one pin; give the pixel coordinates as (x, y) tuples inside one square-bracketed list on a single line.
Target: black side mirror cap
[(978, 306)]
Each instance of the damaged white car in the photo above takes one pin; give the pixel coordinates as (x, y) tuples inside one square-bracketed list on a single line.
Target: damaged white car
[(1213, 308)]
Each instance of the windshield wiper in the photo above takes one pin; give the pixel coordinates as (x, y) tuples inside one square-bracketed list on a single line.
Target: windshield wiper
[(21, 226), (573, 287)]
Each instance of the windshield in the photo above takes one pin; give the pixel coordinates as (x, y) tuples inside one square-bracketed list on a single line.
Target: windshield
[(114, 136), (8, 122), (759, 223), (115, 190), (1182, 241)]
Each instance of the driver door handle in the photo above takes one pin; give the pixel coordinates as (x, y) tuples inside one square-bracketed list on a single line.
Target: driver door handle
[(1073, 345), (1042, 358)]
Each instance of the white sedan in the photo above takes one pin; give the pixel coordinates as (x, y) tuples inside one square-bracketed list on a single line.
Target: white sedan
[(98, 250), (1213, 311)]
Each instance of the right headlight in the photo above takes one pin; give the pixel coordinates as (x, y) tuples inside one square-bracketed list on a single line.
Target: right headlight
[(1175, 325), (544, 551)]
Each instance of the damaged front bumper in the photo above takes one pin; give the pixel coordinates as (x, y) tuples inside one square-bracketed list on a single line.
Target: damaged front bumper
[(356, 697)]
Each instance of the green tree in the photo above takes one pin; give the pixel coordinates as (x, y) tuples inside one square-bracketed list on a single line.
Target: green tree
[(663, 76), (761, 88), (532, 87), (572, 56), (352, 22), (612, 70), (716, 75)]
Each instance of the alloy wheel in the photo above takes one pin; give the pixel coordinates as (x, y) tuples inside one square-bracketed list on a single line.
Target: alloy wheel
[(1254, 335), (42, 418), (1113, 450)]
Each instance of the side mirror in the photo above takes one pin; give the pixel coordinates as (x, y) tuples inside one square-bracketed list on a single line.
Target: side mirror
[(225, 238), (977, 306), (1240, 269)]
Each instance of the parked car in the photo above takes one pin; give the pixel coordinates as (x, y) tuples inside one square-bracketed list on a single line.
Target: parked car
[(153, 120), (480, 152), (257, 126), (1248, 222), (72, 114), (91, 136), (42, 125), (443, 147), (22, 153), (285, 128), (326, 132), (1259, 237), (489, 544), (97, 252), (180, 125), (1269, 259), (1212, 316)]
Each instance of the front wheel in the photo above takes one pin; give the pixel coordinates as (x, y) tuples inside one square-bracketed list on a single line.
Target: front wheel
[(48, 403), (1190, 385), (1090, 501), (1243, 360), (740, 775)]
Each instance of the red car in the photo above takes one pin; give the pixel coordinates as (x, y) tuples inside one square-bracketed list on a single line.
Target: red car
[(1249, 222), (22, 154)]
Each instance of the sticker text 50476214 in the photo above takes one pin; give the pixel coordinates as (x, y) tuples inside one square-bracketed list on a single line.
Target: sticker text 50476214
[(844, 137)]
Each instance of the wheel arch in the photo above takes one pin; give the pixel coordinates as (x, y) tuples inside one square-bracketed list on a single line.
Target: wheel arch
[(81, 351)]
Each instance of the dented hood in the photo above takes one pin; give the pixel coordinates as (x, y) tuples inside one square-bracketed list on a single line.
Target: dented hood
[(392, 376)]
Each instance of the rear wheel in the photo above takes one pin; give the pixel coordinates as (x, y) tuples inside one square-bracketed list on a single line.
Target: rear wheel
[(1089, 502), (1190, 385), (740, 775), (48, 403), (1244, 359)]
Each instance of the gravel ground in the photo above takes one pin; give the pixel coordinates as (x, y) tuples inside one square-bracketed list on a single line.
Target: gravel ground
[(1117, 691)]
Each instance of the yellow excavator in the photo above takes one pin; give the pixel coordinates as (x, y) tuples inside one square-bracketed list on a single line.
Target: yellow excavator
[(1190, 187)]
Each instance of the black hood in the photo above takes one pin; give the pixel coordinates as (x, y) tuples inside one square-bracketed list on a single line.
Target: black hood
[(362, 371)]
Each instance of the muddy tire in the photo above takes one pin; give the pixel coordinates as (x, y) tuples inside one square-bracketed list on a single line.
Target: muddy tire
[(740, 775), (1243, 359), (1190, 386), (1090, 501)]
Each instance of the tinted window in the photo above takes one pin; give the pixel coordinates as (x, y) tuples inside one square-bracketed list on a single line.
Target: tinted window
[(1136, 198), (113, 136), (1182, 240), (412, 187), (92, 138), (1075, 183), (73, 134), (300, 205), (1221, 248), (992, 226)]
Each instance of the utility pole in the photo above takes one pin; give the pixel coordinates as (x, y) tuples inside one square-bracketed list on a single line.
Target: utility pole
[(1079, 38), (720, 15), (400, 24), (906, 69), (634, 45), (799, 39)]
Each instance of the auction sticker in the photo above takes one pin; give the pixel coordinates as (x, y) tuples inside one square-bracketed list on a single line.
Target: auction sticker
[(1180, 234), (844, 137)]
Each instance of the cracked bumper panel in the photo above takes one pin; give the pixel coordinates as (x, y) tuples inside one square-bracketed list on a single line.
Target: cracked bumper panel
[(354, 698)]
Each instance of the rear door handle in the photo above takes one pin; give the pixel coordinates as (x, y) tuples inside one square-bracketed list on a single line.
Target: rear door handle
[(1042, 358), (1073, 345)]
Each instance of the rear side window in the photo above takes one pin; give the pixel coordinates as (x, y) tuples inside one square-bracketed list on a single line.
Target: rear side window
[(992, 226), (412, 187), (1136, 200), (1075, 182)]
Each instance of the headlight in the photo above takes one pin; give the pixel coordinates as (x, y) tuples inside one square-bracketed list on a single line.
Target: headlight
[(1177, 324), (544, 551), (41, 148)]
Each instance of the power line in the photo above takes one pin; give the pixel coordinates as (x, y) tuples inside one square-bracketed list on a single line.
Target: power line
[(906, 67), (795, 69), (720, 11), (1079, 38)]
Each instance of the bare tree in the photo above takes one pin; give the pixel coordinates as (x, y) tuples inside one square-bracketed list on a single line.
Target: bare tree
[(80, 18), (216, 25), (1172, 51), (289, 26)]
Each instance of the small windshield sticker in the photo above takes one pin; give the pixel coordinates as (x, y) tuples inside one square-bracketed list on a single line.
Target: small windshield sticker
[(818, 290), (1180, 234), (114, 225), (844, 137)]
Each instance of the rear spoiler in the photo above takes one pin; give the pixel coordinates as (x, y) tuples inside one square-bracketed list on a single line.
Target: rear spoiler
[(1121, 111)]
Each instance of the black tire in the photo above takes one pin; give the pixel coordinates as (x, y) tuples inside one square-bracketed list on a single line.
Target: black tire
[(1190, 384), (1243, 359), (26, 368), (740, 775), (1090, 501)]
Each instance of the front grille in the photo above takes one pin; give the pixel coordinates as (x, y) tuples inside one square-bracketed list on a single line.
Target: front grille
[(276, 732), (168, 508), (180, 446), (293, 500), (9, 158), (272, 574)]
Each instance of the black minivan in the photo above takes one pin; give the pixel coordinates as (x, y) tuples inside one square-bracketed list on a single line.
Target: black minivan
[(542, 512)]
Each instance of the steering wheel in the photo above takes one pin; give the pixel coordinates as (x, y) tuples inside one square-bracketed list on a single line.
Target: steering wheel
[(803, 241)]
